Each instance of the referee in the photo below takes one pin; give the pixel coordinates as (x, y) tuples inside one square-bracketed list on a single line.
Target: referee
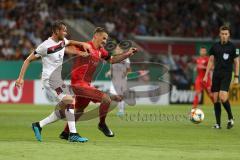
[(223, 55)]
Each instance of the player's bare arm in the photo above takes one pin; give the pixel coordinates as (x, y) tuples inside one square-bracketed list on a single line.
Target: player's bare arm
[(236, 70), (209, 67), (20, 80), (71, 50), (84, 45), (121, 56)]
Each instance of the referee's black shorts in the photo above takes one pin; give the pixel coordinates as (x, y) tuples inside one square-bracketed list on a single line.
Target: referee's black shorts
[(221, 81)]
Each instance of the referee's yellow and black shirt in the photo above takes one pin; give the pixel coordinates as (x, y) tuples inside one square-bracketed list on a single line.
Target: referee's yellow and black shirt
[(224, 55)]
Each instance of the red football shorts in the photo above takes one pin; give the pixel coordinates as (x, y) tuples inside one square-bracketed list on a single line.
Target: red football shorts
[(85, 94)]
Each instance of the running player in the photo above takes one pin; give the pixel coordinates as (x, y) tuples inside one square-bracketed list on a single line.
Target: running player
[(202, 62), (118, 73), (81, 77), (52, 52)]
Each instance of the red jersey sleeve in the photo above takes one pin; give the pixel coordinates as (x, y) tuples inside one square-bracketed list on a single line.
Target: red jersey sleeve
[(105, 54)]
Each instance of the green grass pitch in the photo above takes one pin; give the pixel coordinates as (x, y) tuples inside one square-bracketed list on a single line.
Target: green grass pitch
[(146, 133)]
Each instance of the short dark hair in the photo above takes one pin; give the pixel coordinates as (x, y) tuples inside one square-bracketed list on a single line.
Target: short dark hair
[(203, 47), (224, 27), (99, 30), (57, 25)]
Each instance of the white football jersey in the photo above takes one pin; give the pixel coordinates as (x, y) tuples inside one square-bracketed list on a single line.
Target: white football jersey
[(119, 70), (119, 77), (52, 54)]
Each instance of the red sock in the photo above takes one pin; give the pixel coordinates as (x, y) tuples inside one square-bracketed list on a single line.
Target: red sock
[(66, 129), (195, 101), (103, 110)]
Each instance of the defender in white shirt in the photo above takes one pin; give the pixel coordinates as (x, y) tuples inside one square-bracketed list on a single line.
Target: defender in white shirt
[(118, 74), (52, 52)]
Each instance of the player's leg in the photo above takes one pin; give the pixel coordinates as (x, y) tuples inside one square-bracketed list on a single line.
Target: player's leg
[(121, 106), (70, 116), (216, 82), (37, 126), (217, 110), (117, 90), (223, 96), (103, 110), (198, 90), (80, 105), (54, 116), (97, 96)]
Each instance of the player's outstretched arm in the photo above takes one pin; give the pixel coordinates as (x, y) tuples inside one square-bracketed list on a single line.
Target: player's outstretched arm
[(71, 50), (20, 80), (236, 70), (84, 45), (209, 67), (121, 56)]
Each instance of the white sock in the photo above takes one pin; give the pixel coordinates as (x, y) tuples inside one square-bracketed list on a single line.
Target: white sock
[(50, 119), (121, 106), (71, 120)]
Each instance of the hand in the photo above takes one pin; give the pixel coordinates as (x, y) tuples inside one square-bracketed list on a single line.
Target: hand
[(87, 47), (205, 79), (19, 83), (132, 51), (83, 54), (235, 81), (108, 74)]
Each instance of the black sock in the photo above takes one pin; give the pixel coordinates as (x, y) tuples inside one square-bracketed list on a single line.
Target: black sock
[(217, 109), (227, 107)]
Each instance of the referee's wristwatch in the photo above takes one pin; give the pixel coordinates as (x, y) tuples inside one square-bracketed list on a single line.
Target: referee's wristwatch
[(236, 76)]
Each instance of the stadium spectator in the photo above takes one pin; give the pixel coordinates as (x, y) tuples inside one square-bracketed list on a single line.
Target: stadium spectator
[(28, 19)]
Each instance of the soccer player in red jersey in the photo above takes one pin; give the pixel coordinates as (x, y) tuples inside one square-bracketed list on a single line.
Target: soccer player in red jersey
[(201, 63), (82, 75)]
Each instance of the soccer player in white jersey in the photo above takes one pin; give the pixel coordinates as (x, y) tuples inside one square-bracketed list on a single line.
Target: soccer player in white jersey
[(118, 73), (52, 52)]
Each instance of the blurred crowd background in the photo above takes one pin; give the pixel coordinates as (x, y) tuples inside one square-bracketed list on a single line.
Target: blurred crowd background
[(24, 24)]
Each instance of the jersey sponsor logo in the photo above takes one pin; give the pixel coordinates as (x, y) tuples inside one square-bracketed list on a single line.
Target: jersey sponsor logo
[(225, 56)]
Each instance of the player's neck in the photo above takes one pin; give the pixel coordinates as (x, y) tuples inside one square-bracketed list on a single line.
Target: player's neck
[(55, 38), (95, 44)]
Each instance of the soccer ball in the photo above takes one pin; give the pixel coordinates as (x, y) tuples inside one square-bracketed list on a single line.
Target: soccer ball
[(196, 115)]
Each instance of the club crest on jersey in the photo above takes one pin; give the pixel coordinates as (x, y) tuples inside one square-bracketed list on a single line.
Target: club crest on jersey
[(225, 56)]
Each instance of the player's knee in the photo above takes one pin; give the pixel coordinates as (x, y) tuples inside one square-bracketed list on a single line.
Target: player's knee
[(106, 99), (68, 99), (223, 97), (198, 92)]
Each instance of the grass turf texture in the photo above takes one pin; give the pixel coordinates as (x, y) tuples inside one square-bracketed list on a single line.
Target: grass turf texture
[(138, 136)]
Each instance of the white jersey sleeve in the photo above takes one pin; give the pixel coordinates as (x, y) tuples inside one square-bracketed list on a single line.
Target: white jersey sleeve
[(41, 50), (66, 42)]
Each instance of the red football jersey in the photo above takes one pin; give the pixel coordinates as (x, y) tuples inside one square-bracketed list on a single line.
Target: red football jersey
[(85, 67), (201, 63)]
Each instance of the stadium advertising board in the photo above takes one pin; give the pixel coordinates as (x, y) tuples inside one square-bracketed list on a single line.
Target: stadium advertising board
[(10, 94)]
